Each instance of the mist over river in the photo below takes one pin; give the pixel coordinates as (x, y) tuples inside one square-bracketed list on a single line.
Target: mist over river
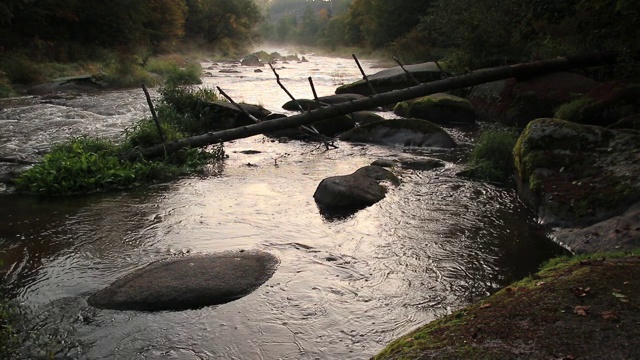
[(344, 287)]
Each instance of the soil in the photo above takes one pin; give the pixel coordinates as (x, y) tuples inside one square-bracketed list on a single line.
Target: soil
[(580, 308)]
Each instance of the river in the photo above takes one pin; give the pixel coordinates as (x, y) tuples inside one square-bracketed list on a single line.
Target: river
[(344, 288)]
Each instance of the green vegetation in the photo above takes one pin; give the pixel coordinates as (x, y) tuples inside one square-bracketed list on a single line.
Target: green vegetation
[(553, 314), (84, 165), (492, 156), (5, 87), (464, 34)]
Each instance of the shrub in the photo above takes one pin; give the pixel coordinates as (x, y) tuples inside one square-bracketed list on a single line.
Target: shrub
[(85, 165), (491, 158), (125, 71), (5, 87), (188, 75), (21, 70)]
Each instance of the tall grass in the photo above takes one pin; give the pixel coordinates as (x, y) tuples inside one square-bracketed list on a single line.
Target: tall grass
[(492, 156)]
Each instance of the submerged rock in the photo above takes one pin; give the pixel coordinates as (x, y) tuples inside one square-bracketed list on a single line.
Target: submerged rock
[(404, 132), (188, 283), (442, 109), (360, 189)]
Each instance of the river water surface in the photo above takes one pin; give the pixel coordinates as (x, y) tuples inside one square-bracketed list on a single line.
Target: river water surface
[(344, 288)]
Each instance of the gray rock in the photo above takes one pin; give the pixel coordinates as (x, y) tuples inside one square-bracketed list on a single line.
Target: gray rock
[(360, 189), (251, 60), (188, 283), (366, 117), (393, 79), (385, 163), (404, 132), (423, 164), (516, 102)]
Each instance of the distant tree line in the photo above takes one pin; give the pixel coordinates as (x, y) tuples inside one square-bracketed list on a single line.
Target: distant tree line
[(58, 26), (468, 33)]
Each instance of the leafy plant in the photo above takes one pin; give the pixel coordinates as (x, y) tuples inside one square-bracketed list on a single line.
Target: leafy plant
[(491, 158), (84, 165)]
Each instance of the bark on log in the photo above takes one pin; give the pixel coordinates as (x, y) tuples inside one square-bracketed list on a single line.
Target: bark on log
[(524, 70)]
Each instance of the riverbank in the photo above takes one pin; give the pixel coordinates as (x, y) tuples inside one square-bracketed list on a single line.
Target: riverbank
[(575, 308)]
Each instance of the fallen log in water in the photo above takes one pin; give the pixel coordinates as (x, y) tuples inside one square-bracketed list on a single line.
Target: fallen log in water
[(524, 70)]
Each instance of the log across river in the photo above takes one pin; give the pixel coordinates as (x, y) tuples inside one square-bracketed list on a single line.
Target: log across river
[(344, 288)]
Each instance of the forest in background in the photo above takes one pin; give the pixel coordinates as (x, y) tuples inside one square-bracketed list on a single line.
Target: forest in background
[(463, 34), (467, 34)]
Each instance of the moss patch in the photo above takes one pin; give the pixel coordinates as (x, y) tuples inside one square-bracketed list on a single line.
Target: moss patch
[(579, 173), (584, 307)]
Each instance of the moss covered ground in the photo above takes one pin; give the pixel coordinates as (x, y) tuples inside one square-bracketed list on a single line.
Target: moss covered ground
[(575, 308)]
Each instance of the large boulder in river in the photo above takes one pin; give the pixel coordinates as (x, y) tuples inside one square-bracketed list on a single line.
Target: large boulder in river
[(577, 175), (441, 108), (360, 189), (516, 102), (251, 60), (393, 79), (403, 132), (188, 283)]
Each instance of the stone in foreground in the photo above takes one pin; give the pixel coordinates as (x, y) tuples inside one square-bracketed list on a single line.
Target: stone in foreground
[(188, 283)]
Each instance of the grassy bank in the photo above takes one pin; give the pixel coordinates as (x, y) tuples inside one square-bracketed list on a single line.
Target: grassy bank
[(85, 165), (117, 70), (574, 308)]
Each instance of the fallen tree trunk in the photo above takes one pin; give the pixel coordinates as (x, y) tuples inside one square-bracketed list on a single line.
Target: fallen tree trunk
[(477, 77)]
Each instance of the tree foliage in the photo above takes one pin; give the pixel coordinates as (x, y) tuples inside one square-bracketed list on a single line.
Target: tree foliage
[(49, 26)]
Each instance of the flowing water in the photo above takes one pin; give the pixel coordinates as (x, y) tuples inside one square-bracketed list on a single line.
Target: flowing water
[(345, 287)]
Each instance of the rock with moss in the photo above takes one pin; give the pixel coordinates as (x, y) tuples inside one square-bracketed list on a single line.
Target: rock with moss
[(358, 190), (515, 102), (582, 308), (403, 132), (441, 108), (631, 122), (393, 79), (366, 117), (605, 105), (577, 175)]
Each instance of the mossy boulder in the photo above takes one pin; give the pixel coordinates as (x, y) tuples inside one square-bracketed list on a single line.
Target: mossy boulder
[(441, 108), (582, 308), (393, 79), (366, 117), (603, 106), (577, 175), (516, 102), (403, 132), (630, 122)]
